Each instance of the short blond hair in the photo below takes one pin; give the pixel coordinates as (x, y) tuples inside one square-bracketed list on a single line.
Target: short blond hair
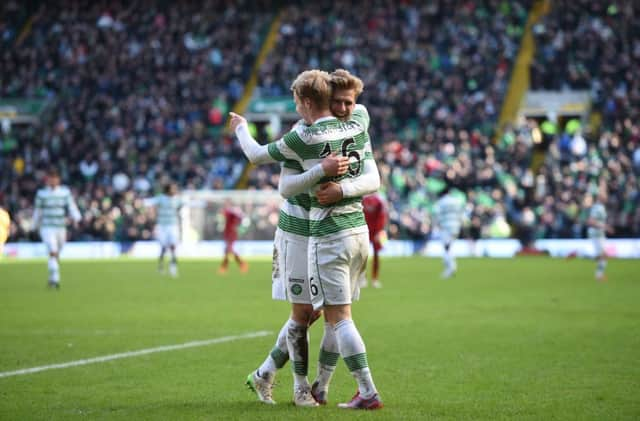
[(343, 79), (314, 85)]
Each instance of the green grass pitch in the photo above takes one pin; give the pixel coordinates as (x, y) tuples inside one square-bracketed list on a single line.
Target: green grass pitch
[(528, 338)]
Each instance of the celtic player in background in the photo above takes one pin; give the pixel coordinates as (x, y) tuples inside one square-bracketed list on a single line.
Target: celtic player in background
[(53, 204), (167, 230), (597, 223), (448, 213)]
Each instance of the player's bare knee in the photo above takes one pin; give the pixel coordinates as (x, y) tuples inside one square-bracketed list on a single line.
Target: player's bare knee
[(302, 313), (335, 313), (315, 315)]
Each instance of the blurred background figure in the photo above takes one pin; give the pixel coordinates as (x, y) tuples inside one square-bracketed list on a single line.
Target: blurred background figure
[(167, 231), (597, 223), (54, 204), (5, 226), (448, 213), (232, 218), (376, 215)]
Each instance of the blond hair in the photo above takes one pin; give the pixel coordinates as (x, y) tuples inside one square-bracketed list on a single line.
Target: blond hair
[(343, 79), (314, 85)]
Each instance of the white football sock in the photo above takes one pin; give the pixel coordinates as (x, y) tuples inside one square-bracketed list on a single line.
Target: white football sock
[(353, 352), (602, 265), (328, 358), (449, 261), (279, 355), (298, 346), (54, 270)]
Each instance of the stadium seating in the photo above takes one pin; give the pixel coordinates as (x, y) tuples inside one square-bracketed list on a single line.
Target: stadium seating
[(435, 75), (141, 92), (595, 46)]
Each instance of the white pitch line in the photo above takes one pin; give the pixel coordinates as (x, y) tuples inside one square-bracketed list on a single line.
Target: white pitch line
[(112, 357)]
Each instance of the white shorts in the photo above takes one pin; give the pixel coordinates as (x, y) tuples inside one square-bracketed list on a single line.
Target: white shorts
[(167, 235), (289, 276), (598, 246), (448, 237), (336, 266), (53, 238)]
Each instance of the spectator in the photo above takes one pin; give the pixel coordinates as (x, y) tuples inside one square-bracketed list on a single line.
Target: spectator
[(131, 87)]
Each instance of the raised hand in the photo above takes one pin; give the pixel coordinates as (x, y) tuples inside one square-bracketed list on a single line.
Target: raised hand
[(236, 120)]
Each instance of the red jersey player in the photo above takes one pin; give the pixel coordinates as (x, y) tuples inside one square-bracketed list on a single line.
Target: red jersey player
[(375, 213), (232, 218)]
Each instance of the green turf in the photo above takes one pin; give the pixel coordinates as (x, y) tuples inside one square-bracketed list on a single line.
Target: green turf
[(530, 338)]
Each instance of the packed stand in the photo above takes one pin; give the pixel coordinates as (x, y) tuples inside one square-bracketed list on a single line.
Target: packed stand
[(594, 46), (13, 15), (140, 93), (435, 74)]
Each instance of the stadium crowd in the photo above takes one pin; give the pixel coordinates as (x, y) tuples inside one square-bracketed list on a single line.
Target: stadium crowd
[(593, 46), (433, 103), (141, 92)]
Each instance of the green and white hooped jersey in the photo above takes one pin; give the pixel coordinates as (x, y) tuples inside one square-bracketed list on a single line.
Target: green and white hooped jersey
[(167, 209), (53, 205), (305, 146), (294, 215), (448, 214), (294, 211), (599, 213)]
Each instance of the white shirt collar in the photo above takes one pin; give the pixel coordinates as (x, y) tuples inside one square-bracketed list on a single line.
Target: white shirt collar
[(327, 118)]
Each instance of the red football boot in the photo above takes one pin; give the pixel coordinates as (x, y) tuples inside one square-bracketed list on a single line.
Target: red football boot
[(358, 402)]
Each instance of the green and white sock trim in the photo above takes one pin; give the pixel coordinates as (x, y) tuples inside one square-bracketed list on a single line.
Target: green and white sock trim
[(329, 358), (357, 361), (301, 368), (279, 357)]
